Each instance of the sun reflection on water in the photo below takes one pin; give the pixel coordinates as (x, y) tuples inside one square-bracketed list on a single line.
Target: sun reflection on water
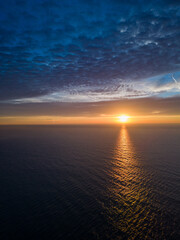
[(126, 171), (127, 210)]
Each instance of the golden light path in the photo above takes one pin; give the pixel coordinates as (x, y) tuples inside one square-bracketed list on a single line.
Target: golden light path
[(127, 191)]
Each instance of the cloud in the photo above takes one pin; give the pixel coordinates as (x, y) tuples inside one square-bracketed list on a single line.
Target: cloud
[(132, 107), (49, 49), (159, 86)]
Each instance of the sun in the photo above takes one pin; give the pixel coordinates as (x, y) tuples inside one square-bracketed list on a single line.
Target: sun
[(123, 118)]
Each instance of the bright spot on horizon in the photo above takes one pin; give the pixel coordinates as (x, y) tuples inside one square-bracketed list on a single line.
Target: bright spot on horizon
[(123, 118)]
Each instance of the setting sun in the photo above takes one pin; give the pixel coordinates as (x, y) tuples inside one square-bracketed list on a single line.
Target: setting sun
[(123, 118)]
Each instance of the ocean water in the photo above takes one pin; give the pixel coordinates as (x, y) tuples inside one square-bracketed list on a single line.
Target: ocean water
[(90, 182)]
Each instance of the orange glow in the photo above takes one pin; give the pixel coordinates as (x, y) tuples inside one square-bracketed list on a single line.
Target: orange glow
[(96, 119)]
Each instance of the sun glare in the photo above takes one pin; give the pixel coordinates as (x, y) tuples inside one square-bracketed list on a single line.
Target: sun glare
[(123, 118)]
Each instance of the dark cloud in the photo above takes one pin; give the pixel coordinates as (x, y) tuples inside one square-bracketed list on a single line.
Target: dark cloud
[(47, 46), (147, 106)]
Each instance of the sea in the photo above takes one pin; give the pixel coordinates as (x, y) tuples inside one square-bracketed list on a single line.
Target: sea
[(90, 182)]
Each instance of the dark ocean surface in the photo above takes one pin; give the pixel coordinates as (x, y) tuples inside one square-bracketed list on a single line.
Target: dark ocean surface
[(90, 182)]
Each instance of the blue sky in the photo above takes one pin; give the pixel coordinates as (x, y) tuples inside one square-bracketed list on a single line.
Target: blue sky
[(88, 51)]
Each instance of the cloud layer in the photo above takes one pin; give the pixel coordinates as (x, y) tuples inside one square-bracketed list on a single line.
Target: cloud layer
[(82, 50), (132, 107)]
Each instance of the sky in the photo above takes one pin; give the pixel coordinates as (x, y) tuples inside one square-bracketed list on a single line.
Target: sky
[(72, 60)]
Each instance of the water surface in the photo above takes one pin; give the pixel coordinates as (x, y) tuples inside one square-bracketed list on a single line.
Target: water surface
[(90, 182)]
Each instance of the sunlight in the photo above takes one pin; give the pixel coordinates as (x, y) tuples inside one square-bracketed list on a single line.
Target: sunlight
[(123, 118)]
